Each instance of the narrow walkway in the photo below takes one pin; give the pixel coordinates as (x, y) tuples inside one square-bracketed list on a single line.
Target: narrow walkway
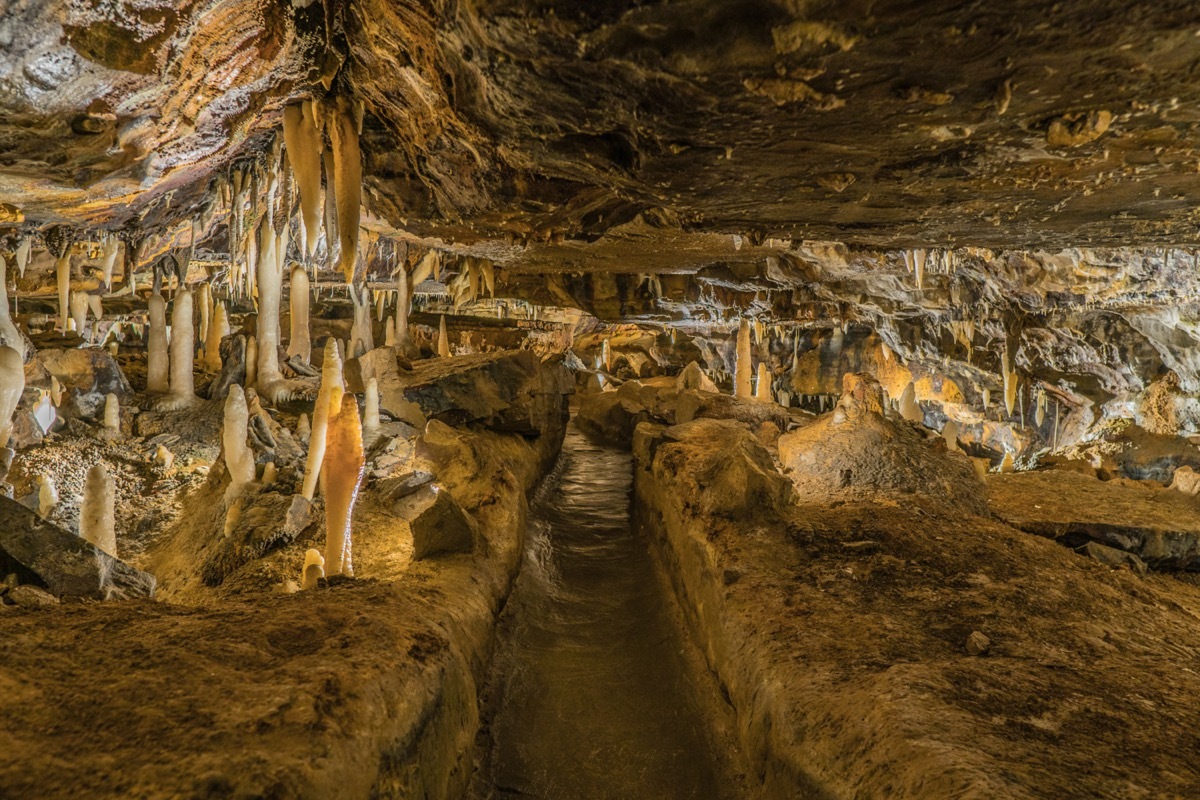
[(590, 690)]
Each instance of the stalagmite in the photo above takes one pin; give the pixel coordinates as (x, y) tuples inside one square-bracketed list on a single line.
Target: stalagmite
[(909, 409), (112, 412), (1009, 374), (269, 382), (362, 339), (10, 336), (251, 362), (389, 333), (371, 412), (97, 514), (206, 311), (303, 139), (347, 181), (1007, 463), (343, 471), (164, 457), (218, 329), (47, 496), (157, 366), (443, 342), (299, 342), (12, 384), (950, 434), (762, 389), (987, 398), (302, 429), (331, 382), (63, 270), (239, 459), (79, 309), (183, 358), (313, 569), (270, 474), (403, 301), (606, 355), (1039, 414), (743, 370)]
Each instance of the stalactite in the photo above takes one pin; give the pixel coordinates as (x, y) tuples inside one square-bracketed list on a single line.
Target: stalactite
[(488, 269), (347, 181), (218, 329), (97, 514), (12, 385), (302, 136), (299, 342), (206, 311), (443, 342), (239, 459), (343, 471), (331, 219), (743, 369), (95, 305), (762, 389), (1009, 374), (331, 382), (23, 254), (157, 367)]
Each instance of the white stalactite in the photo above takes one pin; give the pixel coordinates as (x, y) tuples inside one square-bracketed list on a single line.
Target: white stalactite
[(302, 135), (206, 311), (109, 253), (23, 254), (79, 309), (347, 181), (97, 514)]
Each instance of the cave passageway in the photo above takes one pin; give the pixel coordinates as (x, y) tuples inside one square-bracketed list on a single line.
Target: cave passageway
[(592, 693)]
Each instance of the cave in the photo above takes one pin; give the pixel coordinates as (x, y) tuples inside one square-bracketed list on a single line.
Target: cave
[(498, 399)]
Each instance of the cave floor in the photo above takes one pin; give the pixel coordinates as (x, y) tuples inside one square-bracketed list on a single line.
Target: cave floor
[(595, 691)]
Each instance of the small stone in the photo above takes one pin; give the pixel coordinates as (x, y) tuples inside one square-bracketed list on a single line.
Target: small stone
[(977, 643), (31, 597), (731, 576)]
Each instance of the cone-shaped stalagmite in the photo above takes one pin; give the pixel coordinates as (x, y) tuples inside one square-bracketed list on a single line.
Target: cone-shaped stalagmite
[(239, 459), (743, 369), (762, 389), (331, 383), (343, 472), (403, 301), (12, 384), (347, 181), (218, 329), (183, 337), (97, 517), (443, 342)]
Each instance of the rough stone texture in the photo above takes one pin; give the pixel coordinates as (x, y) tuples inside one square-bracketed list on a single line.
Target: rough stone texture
[(855, 452), (438, 523), (269, 522), (88, 376), (507, 391), (61, 561), (1159, 526), (841, 641)]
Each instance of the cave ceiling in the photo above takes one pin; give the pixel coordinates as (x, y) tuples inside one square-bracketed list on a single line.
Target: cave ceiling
[(627, 136)]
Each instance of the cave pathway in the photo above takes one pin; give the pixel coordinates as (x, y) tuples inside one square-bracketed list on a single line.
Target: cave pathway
[(591, 694)]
